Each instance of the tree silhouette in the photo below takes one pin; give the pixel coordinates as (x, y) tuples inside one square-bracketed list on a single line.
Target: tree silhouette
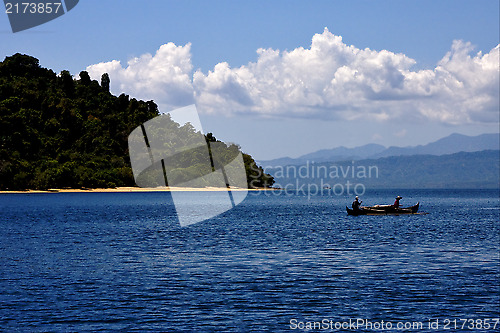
[(105, 82)]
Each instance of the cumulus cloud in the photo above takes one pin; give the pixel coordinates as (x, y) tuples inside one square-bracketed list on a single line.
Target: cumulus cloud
[(328, 80), (164, 77)]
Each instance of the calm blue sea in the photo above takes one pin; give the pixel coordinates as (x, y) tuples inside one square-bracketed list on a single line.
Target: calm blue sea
[(276, 263)]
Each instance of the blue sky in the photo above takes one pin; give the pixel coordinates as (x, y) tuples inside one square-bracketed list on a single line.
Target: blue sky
[(213, 32)]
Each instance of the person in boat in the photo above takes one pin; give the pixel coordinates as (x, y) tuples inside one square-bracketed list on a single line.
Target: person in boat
[(396, 203), (356, 203)]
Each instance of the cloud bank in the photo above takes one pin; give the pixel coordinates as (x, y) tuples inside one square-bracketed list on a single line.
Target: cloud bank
[(328, 80), (164, 77)]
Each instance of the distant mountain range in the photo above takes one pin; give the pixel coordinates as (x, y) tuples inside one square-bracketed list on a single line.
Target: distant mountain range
[(451, 144), (474, 170)]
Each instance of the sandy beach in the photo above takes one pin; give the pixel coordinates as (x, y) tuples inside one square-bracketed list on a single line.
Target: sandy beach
[(134, 189)]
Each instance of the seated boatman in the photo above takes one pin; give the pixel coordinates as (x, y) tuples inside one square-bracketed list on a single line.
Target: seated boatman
[(396, 203), (356, 203)]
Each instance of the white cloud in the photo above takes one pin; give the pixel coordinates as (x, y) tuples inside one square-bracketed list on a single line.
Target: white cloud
[(164, 77), (329, 80)]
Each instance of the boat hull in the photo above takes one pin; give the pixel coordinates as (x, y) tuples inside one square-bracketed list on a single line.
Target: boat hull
[(383, 210)]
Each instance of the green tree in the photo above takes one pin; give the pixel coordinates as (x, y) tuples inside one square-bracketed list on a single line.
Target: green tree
[(105, 82), (85, 77)]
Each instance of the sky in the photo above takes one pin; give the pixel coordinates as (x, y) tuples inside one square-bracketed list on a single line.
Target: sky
[(285, 78)]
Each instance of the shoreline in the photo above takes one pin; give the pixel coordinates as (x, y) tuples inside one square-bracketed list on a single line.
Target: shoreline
[(136, 190)]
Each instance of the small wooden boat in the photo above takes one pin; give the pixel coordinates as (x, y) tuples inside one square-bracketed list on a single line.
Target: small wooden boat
[(383, 210)]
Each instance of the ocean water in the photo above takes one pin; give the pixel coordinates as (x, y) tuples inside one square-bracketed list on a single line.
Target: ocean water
[(279, 262)]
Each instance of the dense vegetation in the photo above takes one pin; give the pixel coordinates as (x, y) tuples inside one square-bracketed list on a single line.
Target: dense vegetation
[(58, 132)]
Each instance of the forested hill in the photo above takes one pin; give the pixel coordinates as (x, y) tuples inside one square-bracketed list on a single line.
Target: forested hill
[(58, 132)]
